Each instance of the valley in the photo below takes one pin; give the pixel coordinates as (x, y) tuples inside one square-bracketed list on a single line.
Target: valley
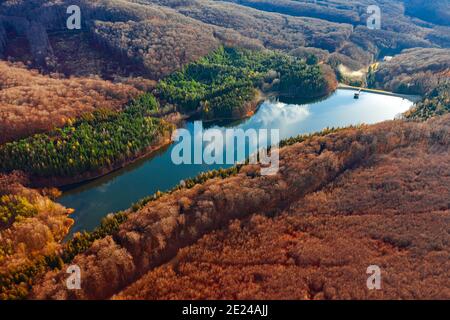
[(362, 180)]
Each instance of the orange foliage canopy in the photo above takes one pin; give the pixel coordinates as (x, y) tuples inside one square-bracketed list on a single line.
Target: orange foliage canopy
[(31, 103), (341, 202), (391, 212)]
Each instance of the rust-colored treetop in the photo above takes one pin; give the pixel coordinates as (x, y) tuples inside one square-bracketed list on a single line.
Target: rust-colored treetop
[(32, 103)]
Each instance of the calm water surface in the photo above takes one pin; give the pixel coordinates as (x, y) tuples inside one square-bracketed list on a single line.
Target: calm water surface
[(119, 190)]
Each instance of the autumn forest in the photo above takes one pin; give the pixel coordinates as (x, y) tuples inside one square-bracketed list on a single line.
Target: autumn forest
[(81, 108)]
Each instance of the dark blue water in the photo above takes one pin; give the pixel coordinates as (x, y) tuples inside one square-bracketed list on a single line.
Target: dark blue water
[(118, 191)]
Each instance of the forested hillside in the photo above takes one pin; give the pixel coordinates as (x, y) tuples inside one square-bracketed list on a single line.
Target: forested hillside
[(96, 144), (224, 84), (31, 226), (437, 11), (79, 104), (131, 41), (435, 103), (160, 36), (414, 71), (316, 189), (32, 103)]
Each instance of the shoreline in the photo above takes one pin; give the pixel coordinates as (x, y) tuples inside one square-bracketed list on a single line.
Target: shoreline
[(412, 97), (67, 182), (252, 106)]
